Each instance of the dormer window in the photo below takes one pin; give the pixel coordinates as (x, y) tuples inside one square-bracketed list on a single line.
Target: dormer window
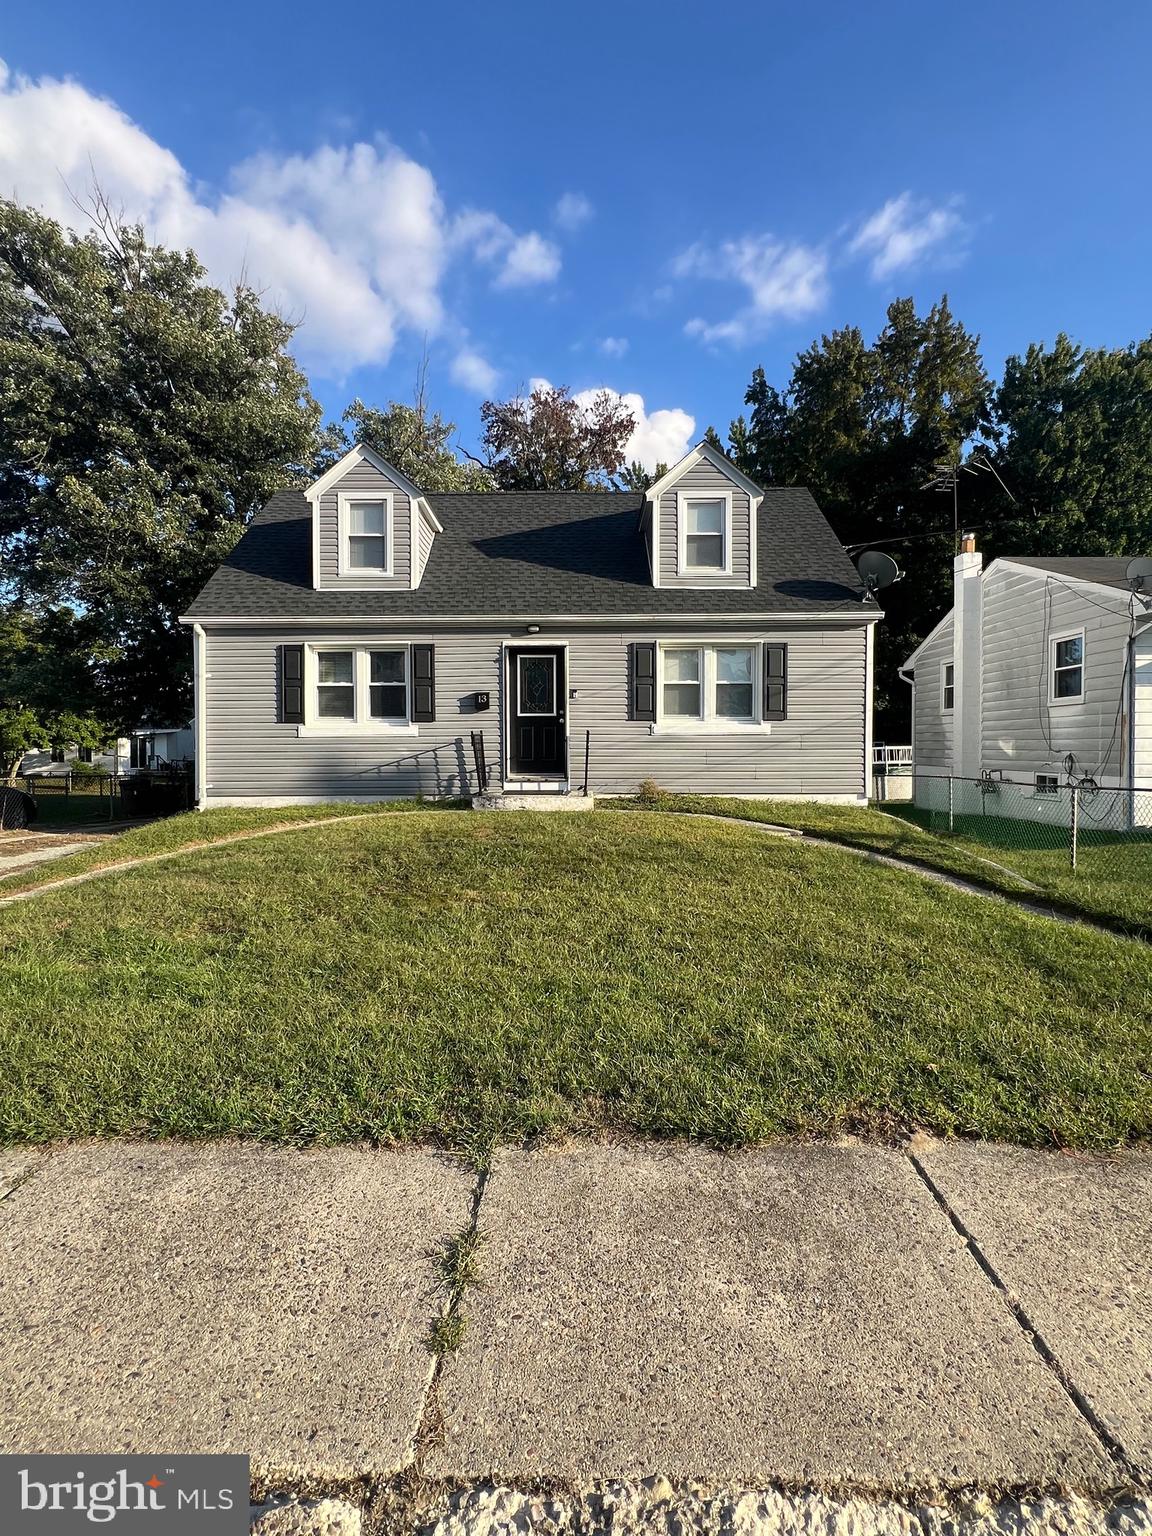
[(365, 534), (705, 534)]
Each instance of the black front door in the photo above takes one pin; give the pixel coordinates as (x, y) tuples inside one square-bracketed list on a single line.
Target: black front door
[(537, 699)]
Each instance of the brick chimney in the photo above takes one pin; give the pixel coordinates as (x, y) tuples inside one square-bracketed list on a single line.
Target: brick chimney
[(967, 658)]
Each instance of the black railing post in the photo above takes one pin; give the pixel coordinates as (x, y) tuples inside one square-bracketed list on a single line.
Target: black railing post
[(480, 761), (587, 752)]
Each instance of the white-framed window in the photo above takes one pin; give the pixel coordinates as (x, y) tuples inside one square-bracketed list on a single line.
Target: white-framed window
[(1047, 783), (948, 686), (365, 529), (705, 533), (1066, 672), (709, 686), (356, 687)]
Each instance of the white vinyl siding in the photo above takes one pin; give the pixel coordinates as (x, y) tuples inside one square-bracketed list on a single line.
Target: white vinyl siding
[(1024, 733)]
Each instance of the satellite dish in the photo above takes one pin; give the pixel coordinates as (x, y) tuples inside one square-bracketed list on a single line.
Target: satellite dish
[(1138, 575), (877, 570)]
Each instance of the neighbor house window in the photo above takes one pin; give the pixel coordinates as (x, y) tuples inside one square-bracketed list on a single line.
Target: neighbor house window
[(948, 691), (708, 683), (704, 533), (360, 685), (1067, 668), (1046, 784), (84, 755), (365, 534)]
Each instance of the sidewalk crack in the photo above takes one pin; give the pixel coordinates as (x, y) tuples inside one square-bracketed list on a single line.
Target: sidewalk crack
[(1108, 1440)]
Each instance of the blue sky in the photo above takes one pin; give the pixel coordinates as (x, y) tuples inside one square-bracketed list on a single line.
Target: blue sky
[(650, 197)]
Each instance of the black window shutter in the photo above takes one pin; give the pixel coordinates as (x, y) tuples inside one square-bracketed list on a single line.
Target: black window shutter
[(775, 682), (292, 684), (644, 680), (423, 682)]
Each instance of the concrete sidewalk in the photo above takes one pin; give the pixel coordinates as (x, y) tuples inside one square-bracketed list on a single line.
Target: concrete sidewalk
[(841, 1317)]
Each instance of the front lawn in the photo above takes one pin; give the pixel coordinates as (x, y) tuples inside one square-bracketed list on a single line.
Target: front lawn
[(1113, 883), (475, 977)]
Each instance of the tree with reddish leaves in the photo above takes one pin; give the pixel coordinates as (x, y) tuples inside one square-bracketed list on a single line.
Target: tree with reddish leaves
[(552, 442)]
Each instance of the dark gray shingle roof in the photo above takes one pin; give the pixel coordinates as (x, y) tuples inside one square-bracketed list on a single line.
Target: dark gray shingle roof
[(550, 552), (1107, 570)]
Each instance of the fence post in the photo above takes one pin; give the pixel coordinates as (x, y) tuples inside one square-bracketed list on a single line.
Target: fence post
[(1075, 820), (68, 785), (951, 817)]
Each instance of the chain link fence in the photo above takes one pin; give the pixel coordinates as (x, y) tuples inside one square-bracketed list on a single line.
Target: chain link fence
[(1048, 825)]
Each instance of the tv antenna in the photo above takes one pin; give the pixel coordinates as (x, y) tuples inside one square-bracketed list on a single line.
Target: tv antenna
[(947, 478), (877, 571)]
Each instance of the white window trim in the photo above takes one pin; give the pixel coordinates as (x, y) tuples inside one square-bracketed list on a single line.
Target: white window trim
[(711, 724), (1049, 788), (947, 709), (1053, 642), (363, 724), (683, 499), (344, 500)]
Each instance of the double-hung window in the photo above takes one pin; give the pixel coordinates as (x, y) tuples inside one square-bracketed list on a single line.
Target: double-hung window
[(948, 686), (365, 535), (1067, 680), (704, 528), (359, 686), (709, 684)]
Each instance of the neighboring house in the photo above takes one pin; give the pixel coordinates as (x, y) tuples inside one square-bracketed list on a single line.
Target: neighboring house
[(149, 747), (707, 634), (1041, 672), (47, 762), (154, 746)]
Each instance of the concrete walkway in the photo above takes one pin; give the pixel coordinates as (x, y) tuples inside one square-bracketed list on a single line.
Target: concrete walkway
[(841, 1318)]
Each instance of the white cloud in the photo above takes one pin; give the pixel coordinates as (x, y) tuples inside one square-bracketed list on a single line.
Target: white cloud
[(530, 259), (521, 260), (782, 281), (614, 346), (905, 230), (473, 372), (572, 210), (353, 241), (658, 437)]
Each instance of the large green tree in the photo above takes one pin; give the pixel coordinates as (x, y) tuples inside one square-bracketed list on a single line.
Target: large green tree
[(866, 427), (1073, 442), (144, 416), (414, 438), (47, 686)]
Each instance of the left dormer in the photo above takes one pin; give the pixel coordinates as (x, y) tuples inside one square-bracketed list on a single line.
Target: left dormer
[(372, 529)]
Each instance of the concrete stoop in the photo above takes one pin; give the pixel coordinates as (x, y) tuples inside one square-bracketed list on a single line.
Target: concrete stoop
[(542, 800)]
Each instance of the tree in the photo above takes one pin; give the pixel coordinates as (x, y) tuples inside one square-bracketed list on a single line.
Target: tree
[(551, 442), (144, 416), (41, 664), (1073, 441), (865, 427), (634, 477), (414, 439)]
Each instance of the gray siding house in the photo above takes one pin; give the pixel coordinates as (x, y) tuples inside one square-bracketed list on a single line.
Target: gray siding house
[(1041, 672), (707, 634)]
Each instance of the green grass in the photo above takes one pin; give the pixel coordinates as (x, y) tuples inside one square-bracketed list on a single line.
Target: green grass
[(1112, 880), (1113, 883), (474, 979), (175, 832)]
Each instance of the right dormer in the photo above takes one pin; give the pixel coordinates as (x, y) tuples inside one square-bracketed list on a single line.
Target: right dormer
[(700, 523)]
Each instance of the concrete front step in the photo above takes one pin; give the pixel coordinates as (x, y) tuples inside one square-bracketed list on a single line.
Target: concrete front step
[(536, 800)]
